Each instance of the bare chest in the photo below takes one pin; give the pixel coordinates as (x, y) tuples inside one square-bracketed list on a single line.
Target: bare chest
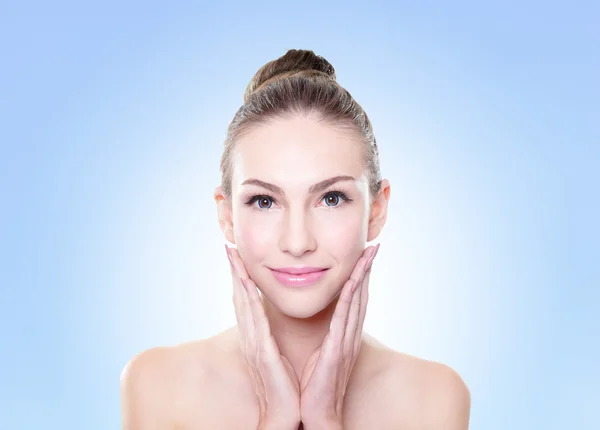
[(365, 408)]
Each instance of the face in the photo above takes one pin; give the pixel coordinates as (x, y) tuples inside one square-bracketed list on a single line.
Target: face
[(300, 199)]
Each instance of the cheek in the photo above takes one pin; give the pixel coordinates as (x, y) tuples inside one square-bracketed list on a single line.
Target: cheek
[(344, 235), (254, 235)]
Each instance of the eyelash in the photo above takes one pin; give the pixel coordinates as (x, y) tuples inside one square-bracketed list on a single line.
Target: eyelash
[(257, 197)]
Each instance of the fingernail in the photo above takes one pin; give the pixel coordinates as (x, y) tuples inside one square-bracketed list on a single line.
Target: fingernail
[(370, 263), (227, 251), (354, 286)]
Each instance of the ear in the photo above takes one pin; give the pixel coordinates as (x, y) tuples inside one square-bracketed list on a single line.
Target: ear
[(379, 208), (224, 212)]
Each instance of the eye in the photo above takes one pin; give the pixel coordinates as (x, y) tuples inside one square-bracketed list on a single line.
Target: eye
[(332, 199), (264, 202)]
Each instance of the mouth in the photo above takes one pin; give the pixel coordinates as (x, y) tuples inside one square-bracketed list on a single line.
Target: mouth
[(301, 277)]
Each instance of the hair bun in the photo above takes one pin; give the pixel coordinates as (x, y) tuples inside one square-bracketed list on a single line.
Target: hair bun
[(295, 62)]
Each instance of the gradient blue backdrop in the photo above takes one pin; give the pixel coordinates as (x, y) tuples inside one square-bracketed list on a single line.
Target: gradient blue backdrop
[(112, 118)]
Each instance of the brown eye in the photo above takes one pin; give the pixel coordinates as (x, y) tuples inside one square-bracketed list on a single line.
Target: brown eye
[(264, 203), (332, 200)]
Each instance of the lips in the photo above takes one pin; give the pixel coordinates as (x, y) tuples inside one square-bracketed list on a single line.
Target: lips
[(298, 277)]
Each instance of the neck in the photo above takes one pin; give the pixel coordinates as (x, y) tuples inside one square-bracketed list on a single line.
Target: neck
[(298, 338)]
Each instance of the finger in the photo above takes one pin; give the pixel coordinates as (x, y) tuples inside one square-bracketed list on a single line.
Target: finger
[(249, 327), (275, 374), (363, 291), (339, 319), (373, 255), (359, 267), (261, 322), (353, 334), (254, 336), (263, 341), (238, 264), (239, 317), (362, 266), (364, 300), (254, 346), (337, 328), (353, 317), (237, 304)]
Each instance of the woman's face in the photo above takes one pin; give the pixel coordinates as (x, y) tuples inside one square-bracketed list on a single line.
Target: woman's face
[(300, 198)]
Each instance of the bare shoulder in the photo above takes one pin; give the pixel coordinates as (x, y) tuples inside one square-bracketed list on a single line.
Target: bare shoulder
[(431, 395), (155, 383)]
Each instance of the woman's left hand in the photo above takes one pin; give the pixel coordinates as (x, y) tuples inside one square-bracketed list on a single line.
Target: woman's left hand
[(325, 377)]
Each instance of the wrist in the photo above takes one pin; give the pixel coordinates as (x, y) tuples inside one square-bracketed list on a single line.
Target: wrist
[(275, 426), (323, 425), (279, 425)]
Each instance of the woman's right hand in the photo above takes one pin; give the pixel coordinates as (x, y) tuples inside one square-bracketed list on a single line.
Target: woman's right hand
[(275, 381)]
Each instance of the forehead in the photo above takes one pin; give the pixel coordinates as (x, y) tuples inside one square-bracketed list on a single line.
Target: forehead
[(298, 150)]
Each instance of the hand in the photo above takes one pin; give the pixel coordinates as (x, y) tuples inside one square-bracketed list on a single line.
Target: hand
[(325, 376), (273, 377)]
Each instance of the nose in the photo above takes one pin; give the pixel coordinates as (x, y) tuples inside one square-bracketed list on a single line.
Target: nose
[(296, 236)]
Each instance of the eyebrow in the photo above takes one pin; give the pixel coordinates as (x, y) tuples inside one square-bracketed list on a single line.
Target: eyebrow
[(318, 187)]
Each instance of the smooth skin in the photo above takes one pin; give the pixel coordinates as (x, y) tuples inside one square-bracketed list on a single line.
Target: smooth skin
[(316, 398), (295, 353)]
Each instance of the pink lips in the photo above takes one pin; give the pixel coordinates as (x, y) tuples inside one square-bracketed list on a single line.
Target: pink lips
[(298, 276)]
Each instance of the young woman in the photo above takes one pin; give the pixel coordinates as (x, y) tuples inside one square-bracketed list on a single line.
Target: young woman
[(300, 196)]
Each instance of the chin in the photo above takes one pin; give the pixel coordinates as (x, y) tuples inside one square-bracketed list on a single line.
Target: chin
[(300, 304)]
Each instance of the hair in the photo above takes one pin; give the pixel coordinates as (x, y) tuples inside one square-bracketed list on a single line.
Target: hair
[(300, 83)]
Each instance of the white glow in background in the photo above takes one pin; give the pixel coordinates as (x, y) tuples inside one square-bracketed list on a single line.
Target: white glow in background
[(487, 123)]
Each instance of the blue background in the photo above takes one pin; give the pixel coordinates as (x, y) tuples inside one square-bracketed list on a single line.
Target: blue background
[(112, 118)]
